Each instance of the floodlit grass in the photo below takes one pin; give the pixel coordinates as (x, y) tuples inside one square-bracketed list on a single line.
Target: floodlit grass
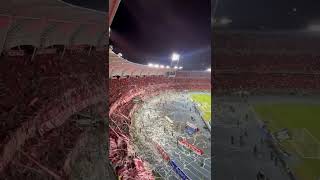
[(205, 104), (295, 116)]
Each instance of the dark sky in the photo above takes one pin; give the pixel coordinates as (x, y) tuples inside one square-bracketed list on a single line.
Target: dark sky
[(269, 14), (101, 5), (150, 31)]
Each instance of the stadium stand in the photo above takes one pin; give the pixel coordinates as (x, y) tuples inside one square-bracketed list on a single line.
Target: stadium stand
[(50, 79), (127, 82), (267, 63), (52, 82), (257, 62)]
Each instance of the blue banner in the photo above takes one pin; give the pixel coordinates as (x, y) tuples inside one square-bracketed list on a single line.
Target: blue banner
[(190, 131), (178, 170)]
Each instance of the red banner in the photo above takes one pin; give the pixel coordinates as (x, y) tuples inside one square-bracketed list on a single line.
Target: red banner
[(164, 155), (186, 144)]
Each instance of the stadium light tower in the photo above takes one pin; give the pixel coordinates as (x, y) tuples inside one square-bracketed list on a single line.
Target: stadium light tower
[(175, 57)]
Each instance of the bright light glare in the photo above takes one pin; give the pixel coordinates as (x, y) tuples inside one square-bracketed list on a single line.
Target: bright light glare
[(150, 65), (314, 27), (209, 69), (119, 54), (175, 57), (176, 67), (156, 65), (180, 67), (167, 67), (161, 66)]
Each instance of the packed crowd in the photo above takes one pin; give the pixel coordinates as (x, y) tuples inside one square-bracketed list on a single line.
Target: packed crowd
[(267, 61), (56, 157), (121, 94), (274, 41), (262, 62), (265, 82), (38, 94), (120, 86)]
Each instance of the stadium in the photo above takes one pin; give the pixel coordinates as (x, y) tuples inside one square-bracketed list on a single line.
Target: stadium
[(160, 120), (131, 86), (55, 96), (266, 105), (53, 91)]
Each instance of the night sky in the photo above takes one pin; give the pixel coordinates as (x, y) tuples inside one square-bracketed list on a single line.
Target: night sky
[(150, 31), (100, 5), (269, 15)]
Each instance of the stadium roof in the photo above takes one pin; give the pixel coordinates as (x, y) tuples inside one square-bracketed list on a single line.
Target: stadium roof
[(42, 23), (113, 6), (119, 66), (122, 67)]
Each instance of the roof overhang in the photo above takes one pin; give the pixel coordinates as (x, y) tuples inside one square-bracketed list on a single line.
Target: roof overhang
[(43, 23), (113, 6)]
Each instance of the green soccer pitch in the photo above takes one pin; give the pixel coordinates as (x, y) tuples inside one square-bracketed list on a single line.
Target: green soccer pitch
[(295, 116), (204, 100)]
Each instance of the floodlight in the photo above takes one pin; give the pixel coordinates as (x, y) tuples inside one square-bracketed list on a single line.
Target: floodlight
[(176, 67), (150, 65), (119, 54), (175, 57), (161, 66), (209, 69), (156, 65), (167, 67), (180, 67)]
